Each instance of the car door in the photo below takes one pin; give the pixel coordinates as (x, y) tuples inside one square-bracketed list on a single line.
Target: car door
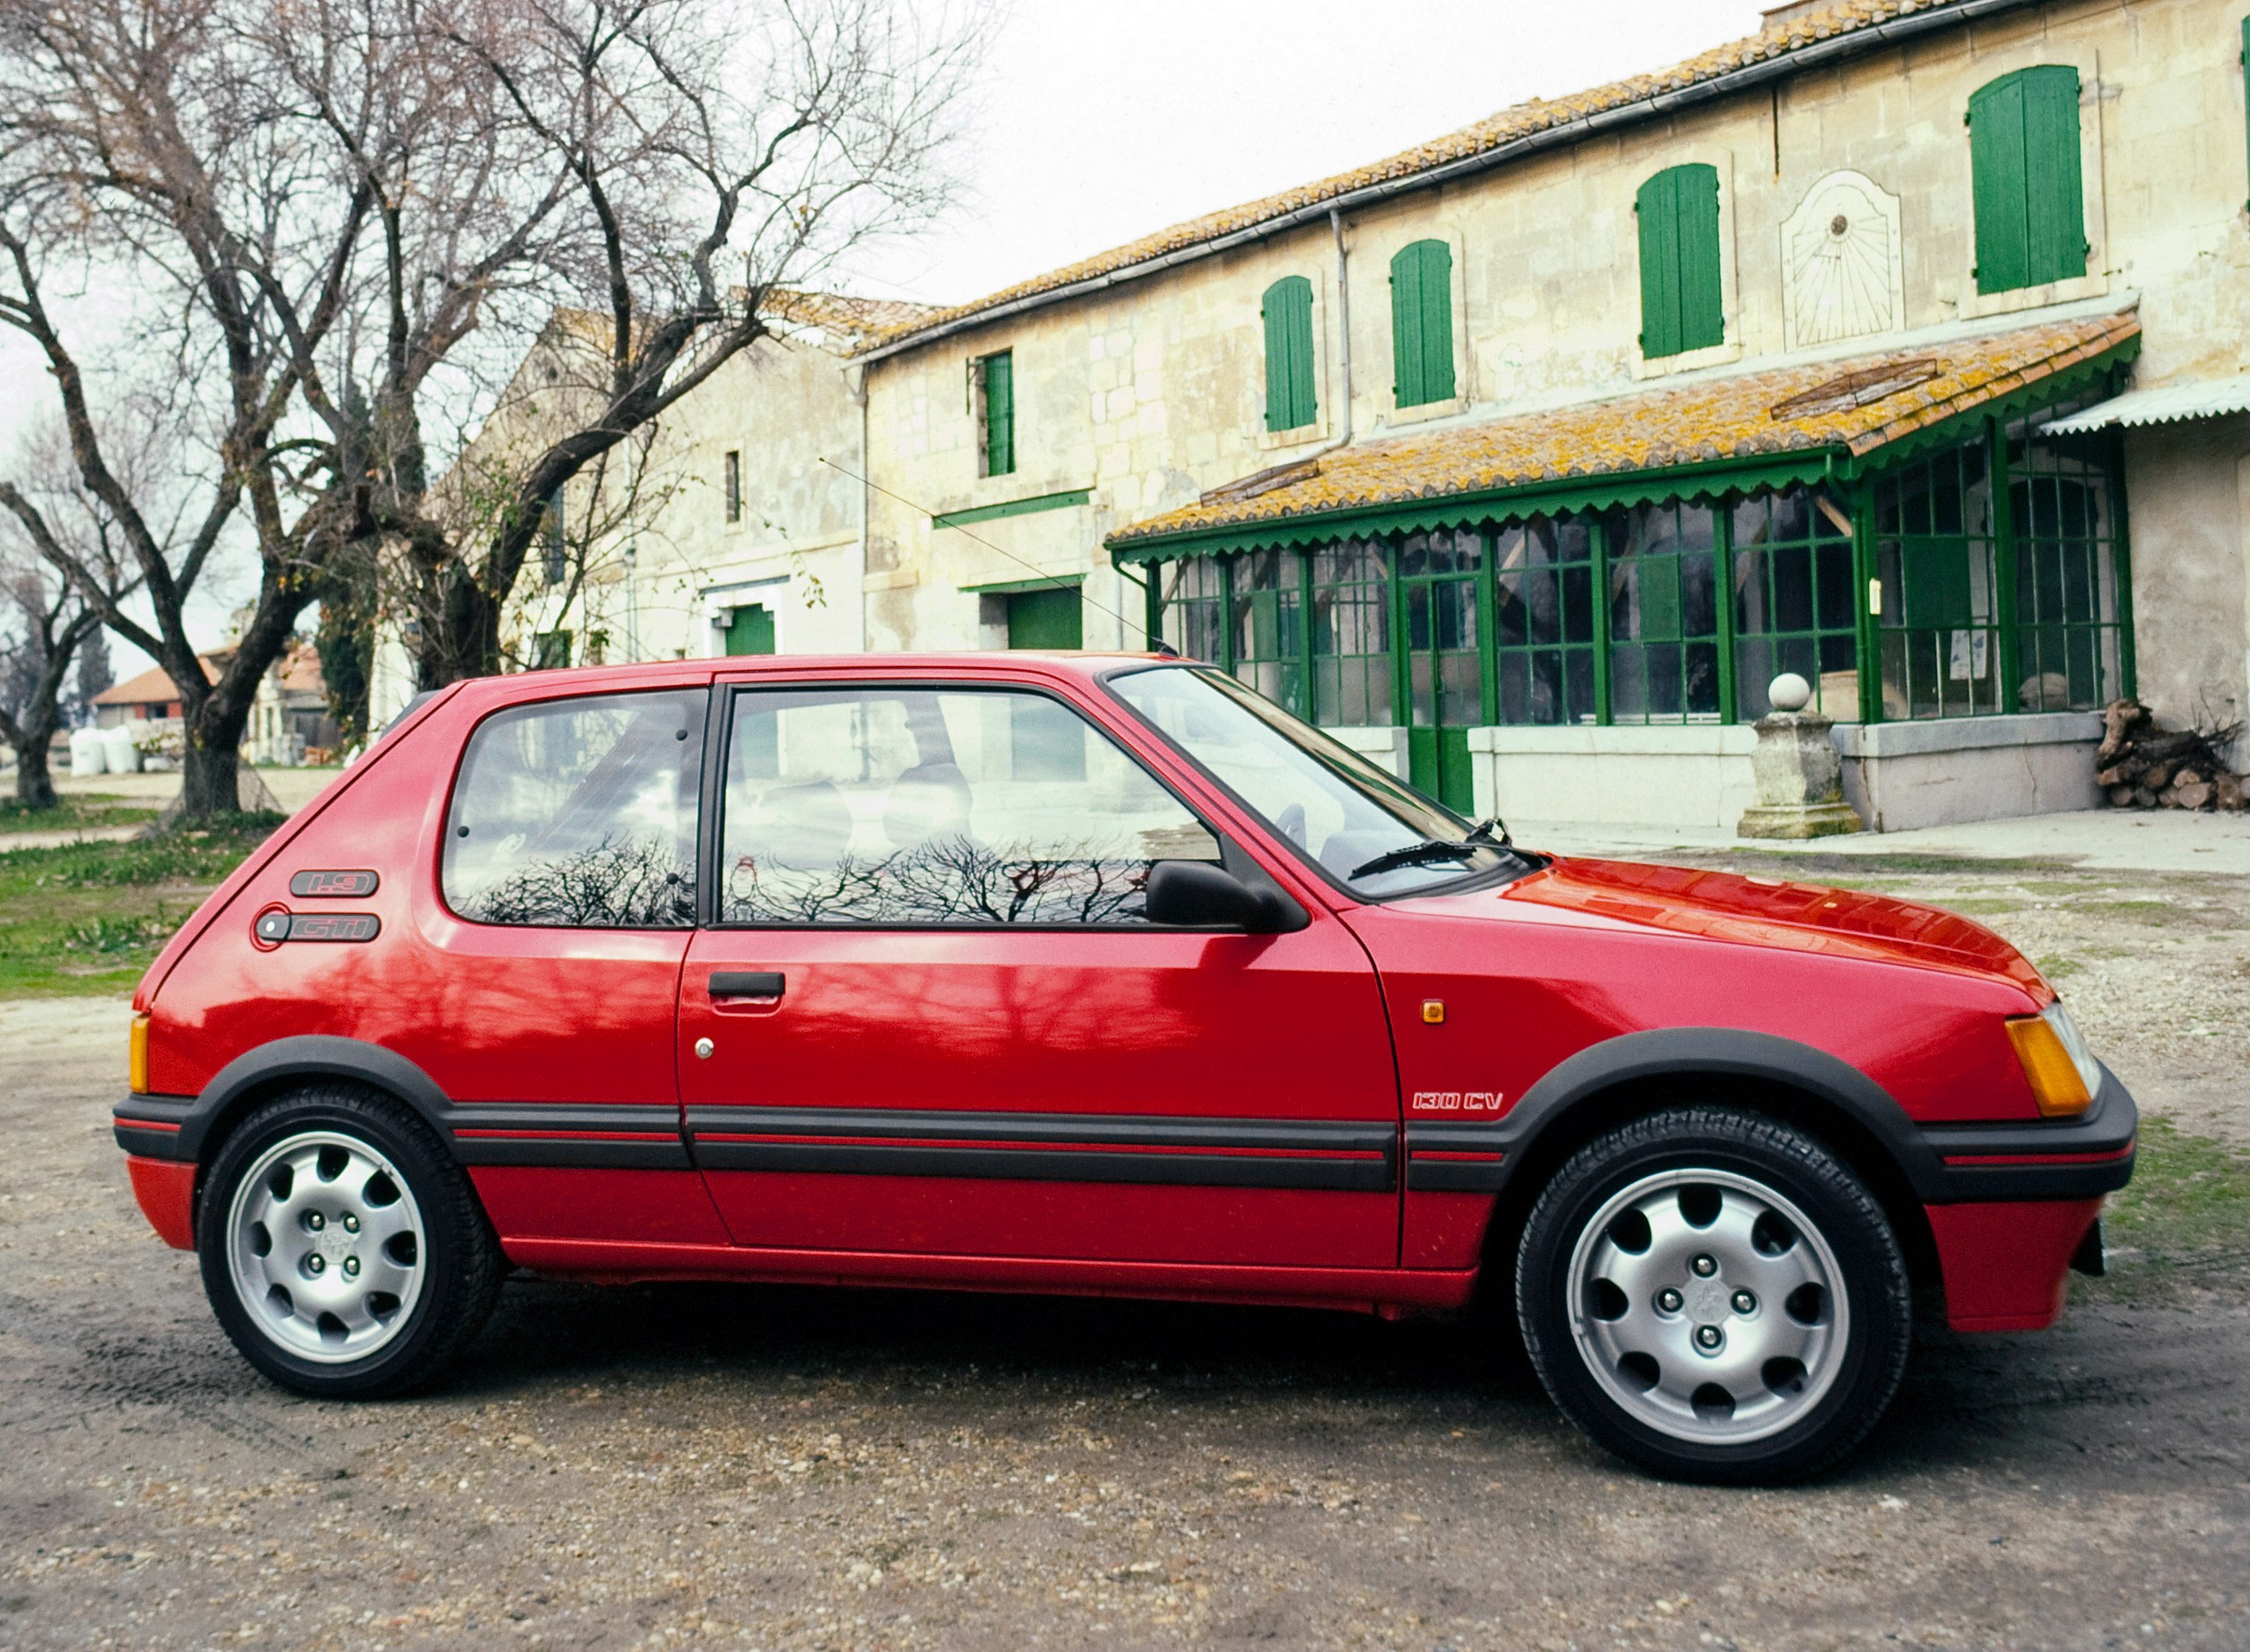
[(929, 1016), (545, 1008)]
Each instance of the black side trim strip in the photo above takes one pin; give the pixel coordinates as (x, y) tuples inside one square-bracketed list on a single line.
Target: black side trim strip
[(609, 1138), (1456, 1175), (1050, 1146)]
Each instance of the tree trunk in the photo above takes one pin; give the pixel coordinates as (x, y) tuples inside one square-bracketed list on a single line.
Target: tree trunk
[(210, 780), (34, 786)]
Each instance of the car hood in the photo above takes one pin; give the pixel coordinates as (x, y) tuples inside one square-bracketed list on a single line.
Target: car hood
[(1762, 911)]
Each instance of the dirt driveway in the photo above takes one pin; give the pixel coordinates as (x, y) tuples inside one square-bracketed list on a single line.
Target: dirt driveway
[(775, 1468)]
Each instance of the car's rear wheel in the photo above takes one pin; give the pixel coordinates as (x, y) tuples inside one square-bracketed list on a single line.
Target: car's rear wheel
[(342, 1248), (1714, 1295)]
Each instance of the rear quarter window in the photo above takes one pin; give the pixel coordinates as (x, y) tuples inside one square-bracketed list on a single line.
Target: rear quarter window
[(579, 813)]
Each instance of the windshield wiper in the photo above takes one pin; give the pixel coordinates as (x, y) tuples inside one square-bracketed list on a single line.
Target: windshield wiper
[(1480, 836)]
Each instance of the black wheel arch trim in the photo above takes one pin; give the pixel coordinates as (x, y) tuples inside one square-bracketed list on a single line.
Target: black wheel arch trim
[(1917, 1151)]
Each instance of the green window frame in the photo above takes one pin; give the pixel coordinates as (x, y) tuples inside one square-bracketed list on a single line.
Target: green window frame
[(1355, 682), (1266, 605), (996, 404), (1683, 300), (1422, 323), (1287, 312), (1937, 564), (2026, 190), (1795, 596), (1189, 603), (551, 651), (2070, 593), (554, 545), (1669, 659), (1546, 633)]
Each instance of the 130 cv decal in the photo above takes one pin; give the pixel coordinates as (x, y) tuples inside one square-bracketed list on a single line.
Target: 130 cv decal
[(1457, 1101)]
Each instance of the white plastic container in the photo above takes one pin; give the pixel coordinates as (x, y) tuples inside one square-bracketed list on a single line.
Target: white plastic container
[(118, 751), (86, 754)]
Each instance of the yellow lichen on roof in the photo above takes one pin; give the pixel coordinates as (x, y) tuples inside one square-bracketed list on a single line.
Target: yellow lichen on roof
[(1715, 420), (853, 322), (1780, 37)]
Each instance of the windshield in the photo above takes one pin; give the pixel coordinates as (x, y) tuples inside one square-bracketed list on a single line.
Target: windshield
[(1333, 804)]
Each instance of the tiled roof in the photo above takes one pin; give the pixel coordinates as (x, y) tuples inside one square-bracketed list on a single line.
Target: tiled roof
[(153, 686), (1858, 404), (854, 323), (1781, 36)]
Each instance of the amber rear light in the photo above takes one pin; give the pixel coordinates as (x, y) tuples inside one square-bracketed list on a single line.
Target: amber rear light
[(2056, 1083), (138, 1062)]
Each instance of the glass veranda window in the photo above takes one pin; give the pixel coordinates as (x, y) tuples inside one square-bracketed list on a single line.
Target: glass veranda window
[(1794, 601), (1545, 642)]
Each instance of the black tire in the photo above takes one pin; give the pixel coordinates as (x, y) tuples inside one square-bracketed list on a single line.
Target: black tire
[(392, 1178), (1848, 1357)]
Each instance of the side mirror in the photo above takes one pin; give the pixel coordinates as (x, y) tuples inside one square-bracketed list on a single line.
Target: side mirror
[(1203, 896)]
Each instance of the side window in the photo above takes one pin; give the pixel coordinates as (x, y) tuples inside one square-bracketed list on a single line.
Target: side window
[(2028, 192), (579, 813), (1682, 307), (1422, 323), (1287, 313), (913, 806)]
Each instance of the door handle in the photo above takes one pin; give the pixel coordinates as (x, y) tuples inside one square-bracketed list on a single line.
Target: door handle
[(748, 984)]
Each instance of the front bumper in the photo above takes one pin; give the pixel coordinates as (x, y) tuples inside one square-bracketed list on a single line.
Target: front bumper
[(2077, 1158)]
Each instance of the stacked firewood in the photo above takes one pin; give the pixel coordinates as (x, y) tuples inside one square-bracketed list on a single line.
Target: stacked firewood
[(2144, 766)]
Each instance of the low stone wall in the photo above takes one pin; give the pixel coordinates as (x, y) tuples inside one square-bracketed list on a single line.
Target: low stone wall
[(1900, 776), (1676, 775)]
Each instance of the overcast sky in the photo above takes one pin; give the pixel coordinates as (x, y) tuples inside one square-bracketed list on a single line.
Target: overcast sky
[(1099, 123)]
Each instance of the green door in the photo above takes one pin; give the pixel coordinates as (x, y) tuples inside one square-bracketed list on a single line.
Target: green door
[(751, 631), (1440, 582), (1053, 618)]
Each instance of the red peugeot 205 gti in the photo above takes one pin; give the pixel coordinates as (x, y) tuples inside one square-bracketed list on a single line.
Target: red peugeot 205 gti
[(1087, 973)]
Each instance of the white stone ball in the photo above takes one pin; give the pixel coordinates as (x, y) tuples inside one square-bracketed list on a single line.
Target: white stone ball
[(1789, 693)]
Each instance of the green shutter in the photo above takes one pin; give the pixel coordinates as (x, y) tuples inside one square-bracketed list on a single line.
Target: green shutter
[(1422, 323), (1054, 617), (1682, 303), (1288, 315), (750, 631), (1000, 414), (2028, 194)]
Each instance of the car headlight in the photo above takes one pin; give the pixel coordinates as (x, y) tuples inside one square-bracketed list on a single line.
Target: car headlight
[(2063, 1073)]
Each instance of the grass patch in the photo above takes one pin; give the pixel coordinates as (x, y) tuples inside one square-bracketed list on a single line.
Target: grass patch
[(87, 918), (1979, 905), (74, 813), (2059, 886), (2055, 967), (2133, 912), (2185, 1215)]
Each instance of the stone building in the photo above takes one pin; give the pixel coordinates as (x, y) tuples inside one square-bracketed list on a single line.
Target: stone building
[(1524, 460)]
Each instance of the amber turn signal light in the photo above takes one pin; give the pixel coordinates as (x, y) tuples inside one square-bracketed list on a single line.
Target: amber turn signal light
[(2056, 1083), (138, 1062)]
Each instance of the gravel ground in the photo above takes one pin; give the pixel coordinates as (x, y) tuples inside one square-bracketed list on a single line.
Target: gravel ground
[(746, 1466)]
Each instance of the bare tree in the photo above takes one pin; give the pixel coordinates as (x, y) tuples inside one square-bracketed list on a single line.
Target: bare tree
[(47, 622), (331, 222)]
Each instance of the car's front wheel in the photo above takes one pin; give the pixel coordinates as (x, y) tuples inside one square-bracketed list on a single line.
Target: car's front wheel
[(342, 1248), (1714, 1295)]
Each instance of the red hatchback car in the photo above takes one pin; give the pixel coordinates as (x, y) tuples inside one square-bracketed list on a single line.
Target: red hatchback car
[(1098, 974)]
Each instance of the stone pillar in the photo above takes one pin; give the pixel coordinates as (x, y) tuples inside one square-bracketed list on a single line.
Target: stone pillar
[(1800, 779)]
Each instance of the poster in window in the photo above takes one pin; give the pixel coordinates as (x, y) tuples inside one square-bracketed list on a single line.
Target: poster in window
[(1968, 653)]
